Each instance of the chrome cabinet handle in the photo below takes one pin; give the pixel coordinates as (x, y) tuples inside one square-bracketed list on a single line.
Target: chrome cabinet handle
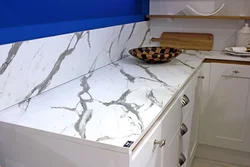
[(236, 71), (160, 143), (184, 129), (182, 159), (201, 77), (185, 100)]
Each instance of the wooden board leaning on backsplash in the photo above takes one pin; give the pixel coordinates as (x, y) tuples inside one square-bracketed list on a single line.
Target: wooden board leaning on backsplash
[(189, 41)]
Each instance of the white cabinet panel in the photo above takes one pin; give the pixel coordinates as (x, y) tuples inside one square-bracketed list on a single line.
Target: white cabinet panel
[(146, 153), (228, 109), (203, 87), (172, 121), (171, 152), (155, 160), (225, 118), (188, 141), (185, 139), (25, 147), (198, 107), (247, 125)]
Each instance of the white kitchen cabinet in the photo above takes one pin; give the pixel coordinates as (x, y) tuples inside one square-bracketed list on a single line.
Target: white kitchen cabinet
[(155, 160), (149, 154), (188, 142), (199, 102), (168, 128), (47, 148), (193, 142), (226, 118)]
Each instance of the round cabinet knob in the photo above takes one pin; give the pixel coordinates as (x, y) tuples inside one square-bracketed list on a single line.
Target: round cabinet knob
[(184, 129), (160, 143), (185, 100), (182, 159)]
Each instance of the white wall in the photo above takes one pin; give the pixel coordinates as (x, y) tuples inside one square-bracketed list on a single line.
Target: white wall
[(224, 31), (232, 7)]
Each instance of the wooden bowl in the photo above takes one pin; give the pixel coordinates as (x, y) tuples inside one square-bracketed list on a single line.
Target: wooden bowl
[(155, 54)]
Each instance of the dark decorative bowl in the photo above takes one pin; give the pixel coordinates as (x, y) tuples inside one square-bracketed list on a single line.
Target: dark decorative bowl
[(155, 54)]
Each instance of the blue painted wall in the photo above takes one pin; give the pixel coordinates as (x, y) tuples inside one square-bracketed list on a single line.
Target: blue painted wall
[(30, 19)]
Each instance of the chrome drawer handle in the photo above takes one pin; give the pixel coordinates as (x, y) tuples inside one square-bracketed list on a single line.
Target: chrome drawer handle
[(185, 100), (201, 77), (160, 143), (236, 71), (182, 159), (184, 129)]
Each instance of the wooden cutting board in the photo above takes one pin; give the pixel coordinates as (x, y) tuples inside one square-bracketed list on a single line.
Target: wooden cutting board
[(189, 41)]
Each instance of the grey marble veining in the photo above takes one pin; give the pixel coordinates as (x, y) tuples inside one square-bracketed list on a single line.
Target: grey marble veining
[(11, 54), (30, 68), (111, 105), (68, 51)]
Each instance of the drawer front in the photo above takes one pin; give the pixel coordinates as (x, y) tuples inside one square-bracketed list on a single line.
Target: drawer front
[(172, 121), (155, 160), (236, 71), (171, 152), (147, 153)]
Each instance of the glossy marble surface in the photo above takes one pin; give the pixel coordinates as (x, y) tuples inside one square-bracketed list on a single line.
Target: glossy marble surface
[(29, 68), (110, 105)]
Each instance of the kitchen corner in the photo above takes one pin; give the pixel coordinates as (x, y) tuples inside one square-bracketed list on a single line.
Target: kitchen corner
[(155, 83)]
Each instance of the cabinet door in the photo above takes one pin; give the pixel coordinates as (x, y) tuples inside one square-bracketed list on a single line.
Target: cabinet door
[(147, 154), (155, 160), (199, 101), (188, 140), (225, 120), (171, 152), (150, 152)]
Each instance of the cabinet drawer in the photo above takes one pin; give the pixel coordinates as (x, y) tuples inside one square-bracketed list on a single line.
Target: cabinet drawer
[(237, 71), (155, 159), (164, 129), (172, 121), (171, 152), (146, 152)]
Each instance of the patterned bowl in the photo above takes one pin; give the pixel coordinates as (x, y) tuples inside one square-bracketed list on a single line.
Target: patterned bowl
[(155, 54)]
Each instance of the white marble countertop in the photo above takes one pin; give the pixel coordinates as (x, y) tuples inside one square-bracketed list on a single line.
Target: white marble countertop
[(111, 105)]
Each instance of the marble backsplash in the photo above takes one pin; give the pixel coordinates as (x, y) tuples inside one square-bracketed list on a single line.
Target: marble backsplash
[(32, 67)]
